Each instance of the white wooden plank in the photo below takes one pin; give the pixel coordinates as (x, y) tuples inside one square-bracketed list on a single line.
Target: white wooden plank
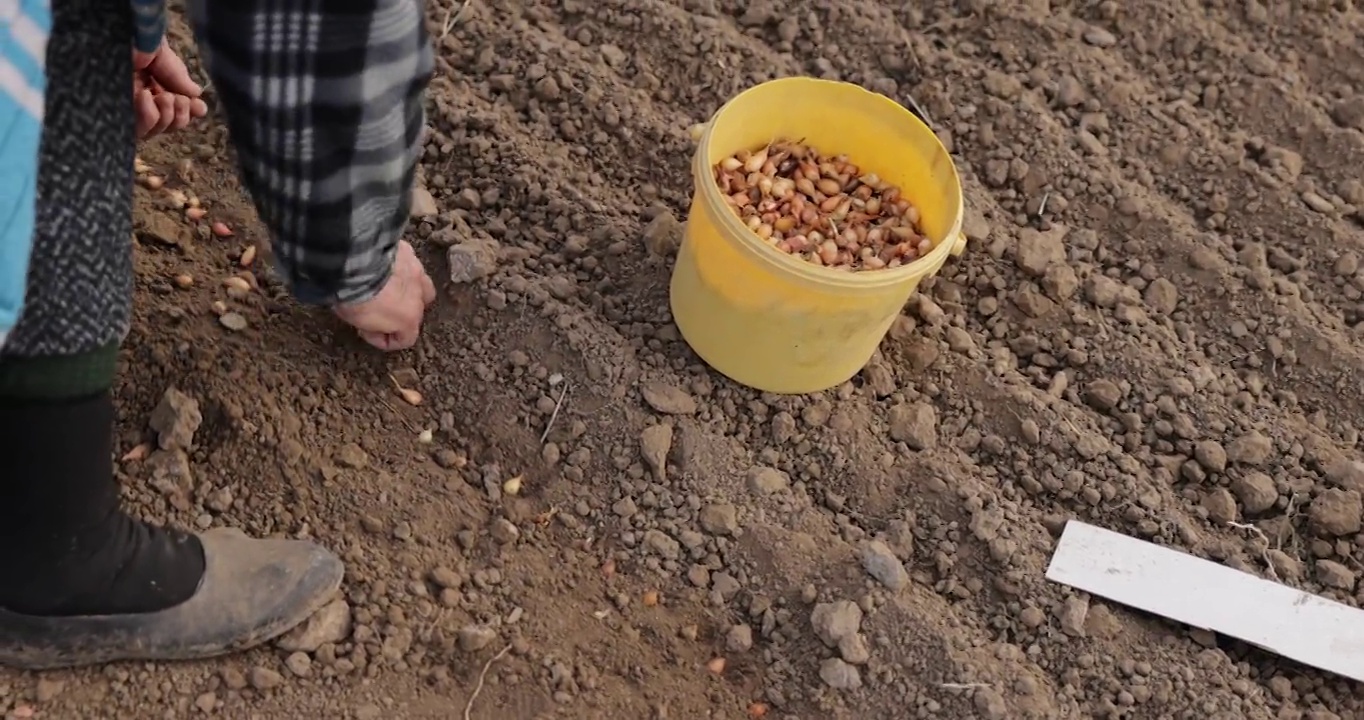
[(1297, 625)]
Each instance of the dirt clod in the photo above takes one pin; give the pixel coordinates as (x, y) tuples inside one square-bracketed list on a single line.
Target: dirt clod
[(1256, 491), (739, 639), (836, 620), (668, 399), (839, 674), (263, 678), (654, 444), (234, 321), (175, 420), (1335, 512), (915, 424), (473, 638), (766, 480), (719, 518), (471, 260), (331, 624), (881, 563), (1250, 449)]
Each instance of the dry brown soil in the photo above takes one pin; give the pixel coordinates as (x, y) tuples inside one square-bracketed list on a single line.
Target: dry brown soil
[(1155, 329)]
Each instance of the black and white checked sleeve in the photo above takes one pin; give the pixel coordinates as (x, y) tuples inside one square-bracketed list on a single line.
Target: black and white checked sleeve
[(323, 100)]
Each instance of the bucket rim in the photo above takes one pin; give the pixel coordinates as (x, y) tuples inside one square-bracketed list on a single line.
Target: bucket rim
[(729, 222)]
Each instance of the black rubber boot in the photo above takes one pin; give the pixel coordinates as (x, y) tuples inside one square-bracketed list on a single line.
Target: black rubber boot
[(83, 583)]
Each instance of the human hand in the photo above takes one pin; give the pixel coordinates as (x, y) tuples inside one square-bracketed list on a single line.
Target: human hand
[(164, 95), (392, 320)]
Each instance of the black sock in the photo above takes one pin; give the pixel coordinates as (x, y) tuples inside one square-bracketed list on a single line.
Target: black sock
[(65, 546)]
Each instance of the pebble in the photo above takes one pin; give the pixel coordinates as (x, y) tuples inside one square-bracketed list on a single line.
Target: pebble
[(299, 664), (1220, 505), (1099, 37), (1161, 296), (719, 519), (175, 420), (48, 689), (654, 444), (1317, 202), (698, 575), (546, 88), (1285, 566), (739, 639), (668, 399), (914, 424), (1072, 615), (263, 678), (1256, 491), (1103, 291), (473, 259), (836, 620), (446, 578), (232, 321), (1336, 513), (881, 563), (1334, 575), (1349, 112), (1038, 250), (1103, 395), (1252, 448), (662, 237), (233, 679), (331, 624), (766, 481), (975, 226), (1349, 474), (505, 531), (473, 638), (662, 544), (1211, 455), (839, 675), (352, 456), (854, 649), (423, 203)]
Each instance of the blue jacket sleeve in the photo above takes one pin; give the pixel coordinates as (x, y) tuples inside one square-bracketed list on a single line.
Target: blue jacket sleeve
[(23, 80)]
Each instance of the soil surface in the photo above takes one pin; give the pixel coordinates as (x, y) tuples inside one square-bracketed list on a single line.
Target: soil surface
[(1155, 329)]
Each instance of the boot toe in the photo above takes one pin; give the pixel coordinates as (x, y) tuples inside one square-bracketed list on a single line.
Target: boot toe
[(253, 591)]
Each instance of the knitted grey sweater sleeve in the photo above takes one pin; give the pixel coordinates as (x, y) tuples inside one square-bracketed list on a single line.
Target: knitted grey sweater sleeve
[(80, 277)]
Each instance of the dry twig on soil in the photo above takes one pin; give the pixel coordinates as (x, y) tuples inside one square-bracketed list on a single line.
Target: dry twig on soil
[(555, 415), (451, 17), (482, 676), (1264, 552)]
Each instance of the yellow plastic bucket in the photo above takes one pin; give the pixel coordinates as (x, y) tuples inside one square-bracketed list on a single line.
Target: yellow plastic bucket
[(776, 322)]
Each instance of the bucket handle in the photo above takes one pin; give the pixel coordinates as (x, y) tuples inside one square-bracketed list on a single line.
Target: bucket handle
[(959, 244)]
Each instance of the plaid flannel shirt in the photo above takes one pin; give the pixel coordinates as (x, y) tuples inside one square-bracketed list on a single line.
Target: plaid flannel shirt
[(323, 101)]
